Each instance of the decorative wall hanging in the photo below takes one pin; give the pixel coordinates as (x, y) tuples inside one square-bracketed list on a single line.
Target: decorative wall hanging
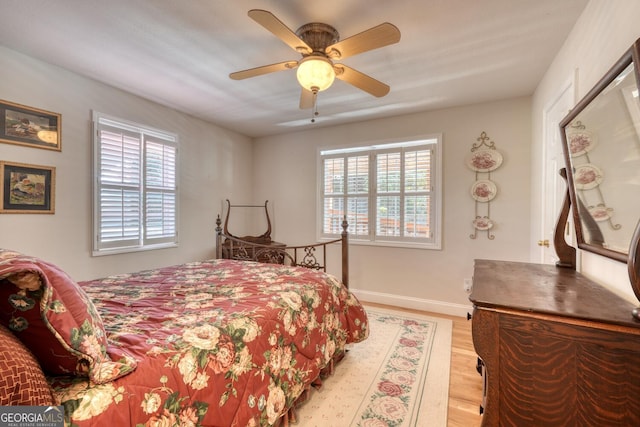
[(29, 126), (587, 177), (27, 188), (484, 159)]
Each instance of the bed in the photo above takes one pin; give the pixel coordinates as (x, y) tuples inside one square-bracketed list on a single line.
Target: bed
[(220, 342)]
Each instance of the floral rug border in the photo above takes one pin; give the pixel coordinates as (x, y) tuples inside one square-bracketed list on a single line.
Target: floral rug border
[(395, 398)]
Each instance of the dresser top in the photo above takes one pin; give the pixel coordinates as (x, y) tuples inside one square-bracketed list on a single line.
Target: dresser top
[(547, 289)]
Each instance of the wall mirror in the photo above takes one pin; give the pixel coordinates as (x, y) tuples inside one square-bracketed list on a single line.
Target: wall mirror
[(601, 143)]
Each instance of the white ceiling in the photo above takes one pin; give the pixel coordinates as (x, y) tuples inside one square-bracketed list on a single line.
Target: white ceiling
[(179, 53)]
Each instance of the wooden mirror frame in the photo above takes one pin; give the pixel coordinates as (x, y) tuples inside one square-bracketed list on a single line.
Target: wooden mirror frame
[(567, 258), (583, 222), (633, 267)]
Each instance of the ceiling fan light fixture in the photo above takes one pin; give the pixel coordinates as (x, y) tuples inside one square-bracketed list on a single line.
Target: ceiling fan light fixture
[(315, 73)]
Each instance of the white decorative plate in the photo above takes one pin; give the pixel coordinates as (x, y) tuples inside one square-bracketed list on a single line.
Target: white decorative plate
[(482, 223), (483, 190), (587, 176), (580, 142), (484, 160), (600, 212)]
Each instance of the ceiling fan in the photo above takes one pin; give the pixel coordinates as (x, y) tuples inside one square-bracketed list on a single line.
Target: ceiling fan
[(320, 45)]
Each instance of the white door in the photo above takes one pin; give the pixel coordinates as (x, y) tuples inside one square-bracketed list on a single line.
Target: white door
[(554, 187)]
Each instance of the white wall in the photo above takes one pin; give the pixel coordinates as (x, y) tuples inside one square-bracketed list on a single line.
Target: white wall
[(604, 31), (214, 164), (285, 171)]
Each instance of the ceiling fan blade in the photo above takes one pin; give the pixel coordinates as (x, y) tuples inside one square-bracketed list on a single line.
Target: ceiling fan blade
[(306, 99), (265, 69), (361, 81), (269, 21), (373, 38)]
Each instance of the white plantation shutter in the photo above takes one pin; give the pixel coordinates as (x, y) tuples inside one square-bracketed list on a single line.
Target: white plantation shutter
[(389, 193), (160, 194), (357, 196), (334, 192), (136, 187), (120, 185), (418, 193)]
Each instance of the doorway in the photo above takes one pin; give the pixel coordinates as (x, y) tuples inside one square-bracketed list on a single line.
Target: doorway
[(554, 187)]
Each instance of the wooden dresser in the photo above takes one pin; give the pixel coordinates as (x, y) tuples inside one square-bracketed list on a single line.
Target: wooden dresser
[(558, 349)]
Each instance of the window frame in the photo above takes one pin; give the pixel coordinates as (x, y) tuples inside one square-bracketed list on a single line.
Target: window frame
[(149, 139), (434, 143)]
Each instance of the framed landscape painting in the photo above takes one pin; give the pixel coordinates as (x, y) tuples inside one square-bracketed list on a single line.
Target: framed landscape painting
[(29, 126), (27, 188)]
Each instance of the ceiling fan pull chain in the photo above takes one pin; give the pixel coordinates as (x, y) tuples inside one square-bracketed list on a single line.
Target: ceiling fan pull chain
[(314, 110)]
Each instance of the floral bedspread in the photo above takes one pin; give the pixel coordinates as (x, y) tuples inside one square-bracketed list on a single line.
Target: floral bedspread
[(218, 343)]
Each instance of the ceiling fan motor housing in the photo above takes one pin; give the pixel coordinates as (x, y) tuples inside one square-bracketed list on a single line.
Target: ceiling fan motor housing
[(318, 36)]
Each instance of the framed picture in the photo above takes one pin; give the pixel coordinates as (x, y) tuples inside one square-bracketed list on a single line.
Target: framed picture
[(27, 188), (29, 126)]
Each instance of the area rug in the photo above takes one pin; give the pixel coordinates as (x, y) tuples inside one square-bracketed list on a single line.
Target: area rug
[(399, 376)]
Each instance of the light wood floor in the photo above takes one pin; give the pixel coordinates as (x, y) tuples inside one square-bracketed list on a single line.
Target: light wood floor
[(465, 384)]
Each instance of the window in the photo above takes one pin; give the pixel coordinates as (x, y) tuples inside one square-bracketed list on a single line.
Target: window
[(135, 192), (389, 193)]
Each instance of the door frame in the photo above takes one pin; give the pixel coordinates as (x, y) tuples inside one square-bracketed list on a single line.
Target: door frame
[(550, 205)]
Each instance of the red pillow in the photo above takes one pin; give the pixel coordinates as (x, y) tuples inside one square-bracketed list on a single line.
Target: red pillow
[(22, 381), (55, 319)]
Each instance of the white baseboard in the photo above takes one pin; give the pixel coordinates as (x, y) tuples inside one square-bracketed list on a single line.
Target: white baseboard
[(413, 303)]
